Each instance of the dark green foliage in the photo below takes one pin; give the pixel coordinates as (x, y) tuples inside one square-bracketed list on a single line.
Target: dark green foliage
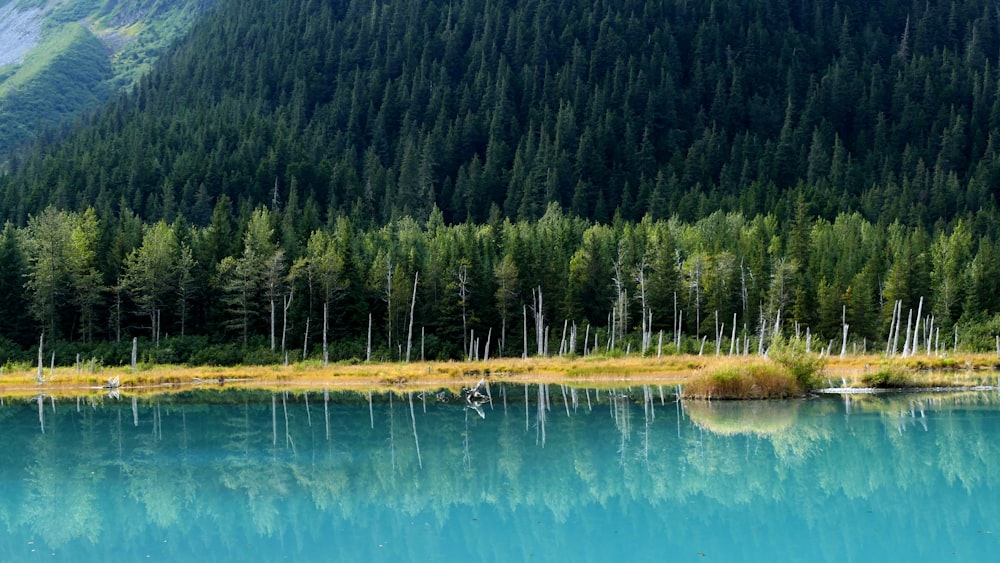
[(804, 368), (889, 377), (15, 323), (671, 108), (11, 352), (813, 162), (724, 263)]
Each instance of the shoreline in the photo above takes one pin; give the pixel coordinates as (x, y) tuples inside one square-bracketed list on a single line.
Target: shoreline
[(962, 371)]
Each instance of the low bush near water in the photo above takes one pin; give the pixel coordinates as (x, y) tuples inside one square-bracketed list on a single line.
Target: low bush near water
[(889, 377), (788, 372), (753, 380)]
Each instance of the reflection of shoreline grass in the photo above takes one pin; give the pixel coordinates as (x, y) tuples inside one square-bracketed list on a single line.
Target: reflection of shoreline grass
[(591, 370), (728, 418)]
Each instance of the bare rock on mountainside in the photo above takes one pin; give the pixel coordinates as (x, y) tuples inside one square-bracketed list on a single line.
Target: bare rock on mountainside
[(19, 32)]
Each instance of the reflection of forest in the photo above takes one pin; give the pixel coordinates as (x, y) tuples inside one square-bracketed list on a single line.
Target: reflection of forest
[(180, 475)]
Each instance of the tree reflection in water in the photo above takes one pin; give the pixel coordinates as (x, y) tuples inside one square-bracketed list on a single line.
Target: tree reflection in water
[(205, 471)]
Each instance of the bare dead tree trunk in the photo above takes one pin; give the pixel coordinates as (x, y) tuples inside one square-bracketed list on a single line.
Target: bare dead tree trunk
[(326, 316), (463, 295), (640, 279), (503, 334), (486, 353), (539, 320), (274, 343), (41, 347), (909, 325), (732, 339), (368, 356), (286, 303), (388, 299), (843, 321), (413, 304), (305, 339)]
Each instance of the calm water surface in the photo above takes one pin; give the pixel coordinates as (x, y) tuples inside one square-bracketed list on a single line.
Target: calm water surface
[(542, 473)]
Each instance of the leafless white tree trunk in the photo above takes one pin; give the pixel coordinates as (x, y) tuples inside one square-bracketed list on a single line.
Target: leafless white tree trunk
[(463, 300), (413, 304), (286, 303)]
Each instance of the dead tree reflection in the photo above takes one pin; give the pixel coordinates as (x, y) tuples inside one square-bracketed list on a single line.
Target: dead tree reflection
[(326, 412), (680, 408), (649, 415), (288, 436), (527, 425), (416, 440), (371, 411), (392, 425), (309, 418), (622, 414), (543, 393), (40, 399), (466, 456)]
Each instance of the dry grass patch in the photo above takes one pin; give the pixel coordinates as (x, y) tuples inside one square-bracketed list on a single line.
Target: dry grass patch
[(758, 379)]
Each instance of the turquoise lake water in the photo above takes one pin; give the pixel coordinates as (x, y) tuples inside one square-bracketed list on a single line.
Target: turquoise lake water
[(541, 474)]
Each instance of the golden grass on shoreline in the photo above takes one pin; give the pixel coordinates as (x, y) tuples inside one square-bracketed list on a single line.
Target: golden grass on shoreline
[(962, 370)]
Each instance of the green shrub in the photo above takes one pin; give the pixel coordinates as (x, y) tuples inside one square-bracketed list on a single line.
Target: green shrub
[(218, 355), (804, 367), (889, 377)]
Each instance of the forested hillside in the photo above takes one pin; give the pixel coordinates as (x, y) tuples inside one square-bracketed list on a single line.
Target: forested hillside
[(385, 109), (292, 169)]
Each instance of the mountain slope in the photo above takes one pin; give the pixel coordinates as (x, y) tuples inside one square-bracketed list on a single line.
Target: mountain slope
[(40, 88), (481, 107), (61, 57)]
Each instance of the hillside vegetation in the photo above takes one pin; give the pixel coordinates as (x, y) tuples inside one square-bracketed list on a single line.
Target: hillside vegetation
[(668, 108), (39, 89), (86, 51), (291, 170)]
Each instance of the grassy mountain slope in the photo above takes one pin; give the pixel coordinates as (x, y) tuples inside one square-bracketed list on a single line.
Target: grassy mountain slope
[(67, 72), (86, 50)]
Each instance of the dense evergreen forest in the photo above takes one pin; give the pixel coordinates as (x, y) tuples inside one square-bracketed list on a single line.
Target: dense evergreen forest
[(254, 286), (673, 108), (822, 159)]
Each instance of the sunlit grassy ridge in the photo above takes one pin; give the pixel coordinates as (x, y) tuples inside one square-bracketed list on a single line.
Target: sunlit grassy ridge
[(88, 50), (73, 51), (65, 73)]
